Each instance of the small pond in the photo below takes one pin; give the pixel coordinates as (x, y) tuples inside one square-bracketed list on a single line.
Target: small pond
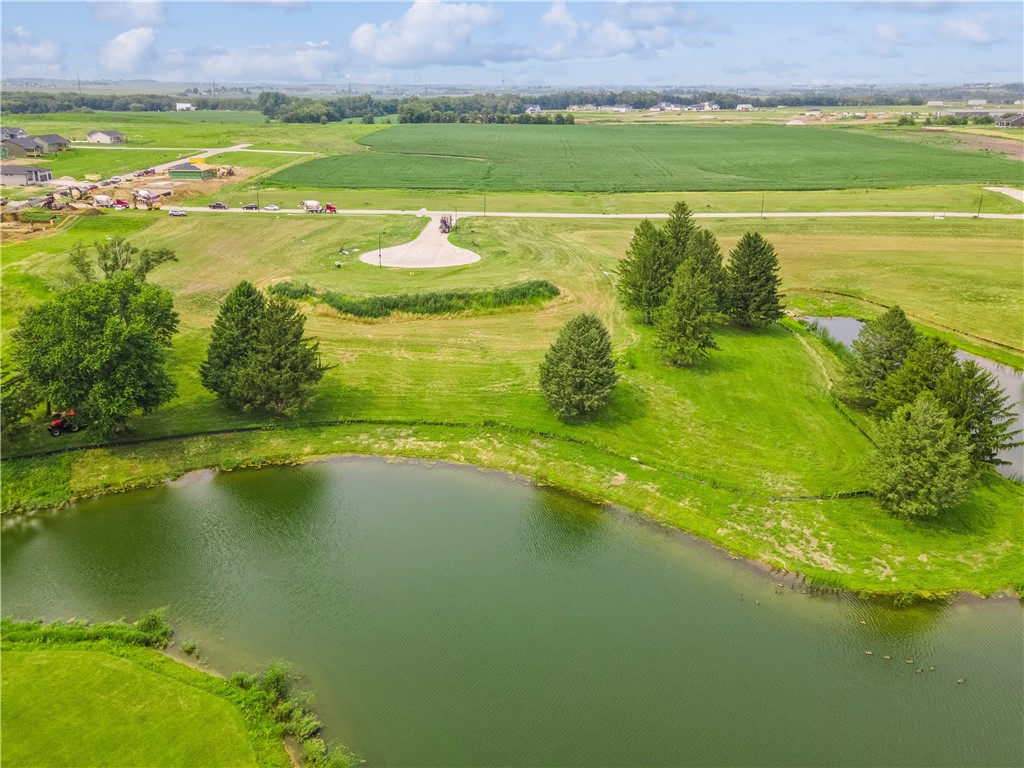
[(444, 616), (846, 329)]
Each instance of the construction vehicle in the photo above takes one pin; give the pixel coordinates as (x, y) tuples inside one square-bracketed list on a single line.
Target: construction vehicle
[(103, 201), (312, 206), (328, 208)]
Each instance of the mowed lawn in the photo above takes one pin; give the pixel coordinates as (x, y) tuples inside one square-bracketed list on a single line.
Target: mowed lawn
[(90, 708), (77, 162), (625, 158)]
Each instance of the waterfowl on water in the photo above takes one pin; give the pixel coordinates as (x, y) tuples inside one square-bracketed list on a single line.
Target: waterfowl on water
[(887, 657), (960, 680), (910, 661), (932, 668), (869, 653), (919, 670), (862, 621)]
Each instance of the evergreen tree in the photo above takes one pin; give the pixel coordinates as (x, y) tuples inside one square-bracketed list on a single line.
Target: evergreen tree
[(678, 230), (974, 399), (646, 273), (232, 338), (922, 368), (879, 350), (281, 366), (753, 294), (703, 252), (577, 375), (922, 461), (684, 322), (100, 348)]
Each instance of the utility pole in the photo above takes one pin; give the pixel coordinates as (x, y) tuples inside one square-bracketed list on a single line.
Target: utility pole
[(762, 205), (980, 198), (379, 262), (79, 84)]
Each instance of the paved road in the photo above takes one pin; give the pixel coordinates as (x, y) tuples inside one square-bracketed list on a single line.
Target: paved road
[(429, 249)]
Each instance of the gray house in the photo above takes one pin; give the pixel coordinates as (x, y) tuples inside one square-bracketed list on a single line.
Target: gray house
[(106, 137), (1011, 121), (50, 142), (22, 148), (12, 133), (23, 175)]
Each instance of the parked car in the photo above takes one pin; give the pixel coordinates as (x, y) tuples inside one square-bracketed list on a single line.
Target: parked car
[(271, 208), (219, 206), (250, 207), (115, 179), (121, 207), (177, 212)]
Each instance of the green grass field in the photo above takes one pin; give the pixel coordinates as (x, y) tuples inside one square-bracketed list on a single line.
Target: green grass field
[(719, 448), (78, 162), (642, 158), (90, 708)]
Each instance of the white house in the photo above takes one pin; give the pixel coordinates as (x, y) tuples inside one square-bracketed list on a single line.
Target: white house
[(812, 113), (746, 108), (532, 109), (184, 106), (935, 104), (976, 102), (106, 137)]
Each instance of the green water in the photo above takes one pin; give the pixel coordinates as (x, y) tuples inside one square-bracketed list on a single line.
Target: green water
[(445, 616)]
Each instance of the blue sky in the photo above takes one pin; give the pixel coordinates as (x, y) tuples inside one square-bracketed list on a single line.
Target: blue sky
[(727, 44)]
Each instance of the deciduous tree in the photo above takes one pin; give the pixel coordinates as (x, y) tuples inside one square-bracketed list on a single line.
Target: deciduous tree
[(100, 348), (577, 375), (753, 295), (922, 462), (118, 255), (684, 322)]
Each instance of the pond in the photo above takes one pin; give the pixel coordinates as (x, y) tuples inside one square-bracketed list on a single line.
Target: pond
[(445, 616), (845, 330)]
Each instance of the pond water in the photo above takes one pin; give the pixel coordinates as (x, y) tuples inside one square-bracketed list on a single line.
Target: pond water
[(446, 616), (846, 329)]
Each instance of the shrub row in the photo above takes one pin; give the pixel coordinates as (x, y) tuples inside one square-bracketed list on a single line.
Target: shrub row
[(150, 630), (436, 303)]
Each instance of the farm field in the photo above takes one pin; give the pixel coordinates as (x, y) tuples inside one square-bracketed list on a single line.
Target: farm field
[(754, 425), (147, 712), (642, 158)]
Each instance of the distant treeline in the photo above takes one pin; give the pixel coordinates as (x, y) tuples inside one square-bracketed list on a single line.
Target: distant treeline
[(18, 103), (436, 303)]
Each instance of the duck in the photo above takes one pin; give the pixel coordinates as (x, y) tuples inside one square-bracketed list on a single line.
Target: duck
[(869, 653), (919, 670), (961, 680), (887, 657), (931, 668), (910, 661)]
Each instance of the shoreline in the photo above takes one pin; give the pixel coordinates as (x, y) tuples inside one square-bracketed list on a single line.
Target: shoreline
[(817, 580)]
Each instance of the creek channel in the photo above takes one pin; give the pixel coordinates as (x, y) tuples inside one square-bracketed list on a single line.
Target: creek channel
[(845, 330), (445, 616)]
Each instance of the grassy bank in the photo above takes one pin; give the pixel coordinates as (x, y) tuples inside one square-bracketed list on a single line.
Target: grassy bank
[(748, 451)]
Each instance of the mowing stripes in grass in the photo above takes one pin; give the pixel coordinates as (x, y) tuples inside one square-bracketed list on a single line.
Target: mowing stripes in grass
[(435, 303)]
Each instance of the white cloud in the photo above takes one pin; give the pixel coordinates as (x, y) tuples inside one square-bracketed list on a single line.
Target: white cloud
[(561, 17), (429, 33), (135, 13), (968, 31), (26, 56), (283, 62), (887, 33), (129, 54)]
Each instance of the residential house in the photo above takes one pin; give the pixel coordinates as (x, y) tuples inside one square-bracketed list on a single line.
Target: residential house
[(935, 104), (184, 107), (50, 142), (582, 108), (1011, 121), (976, 102), (12, 133), (106, 137), (22, 148), (532, 109), (812, 113), (191, 171), (665, 106), (23, 175), (746, 108)]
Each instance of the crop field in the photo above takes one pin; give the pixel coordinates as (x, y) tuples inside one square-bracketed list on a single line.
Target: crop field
[(642, 158)]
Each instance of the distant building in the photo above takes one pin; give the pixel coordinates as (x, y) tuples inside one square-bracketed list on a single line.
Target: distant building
[(665, 106), (812, 113), (976, 102), (184, 106), (582, 108), (106, 137), (935, 104), (190, 171), (532, 109), (1011, 121), (22, 148), (50, 142), (12, 133), (746, 108), (23, 175)]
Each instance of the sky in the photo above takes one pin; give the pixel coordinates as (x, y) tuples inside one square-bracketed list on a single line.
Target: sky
[(516, 44)]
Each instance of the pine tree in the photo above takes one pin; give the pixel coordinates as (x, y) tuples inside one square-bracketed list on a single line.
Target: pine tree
[(703, 252), (974, 399), (646, 273), (753, 295), (922, 368), (679, 229), (922, 461), (281, 366), (684, 322), (577, 375), (879, 350), (232, 338)]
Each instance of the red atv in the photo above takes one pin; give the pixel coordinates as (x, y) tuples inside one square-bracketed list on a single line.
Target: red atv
[(63, 422)]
